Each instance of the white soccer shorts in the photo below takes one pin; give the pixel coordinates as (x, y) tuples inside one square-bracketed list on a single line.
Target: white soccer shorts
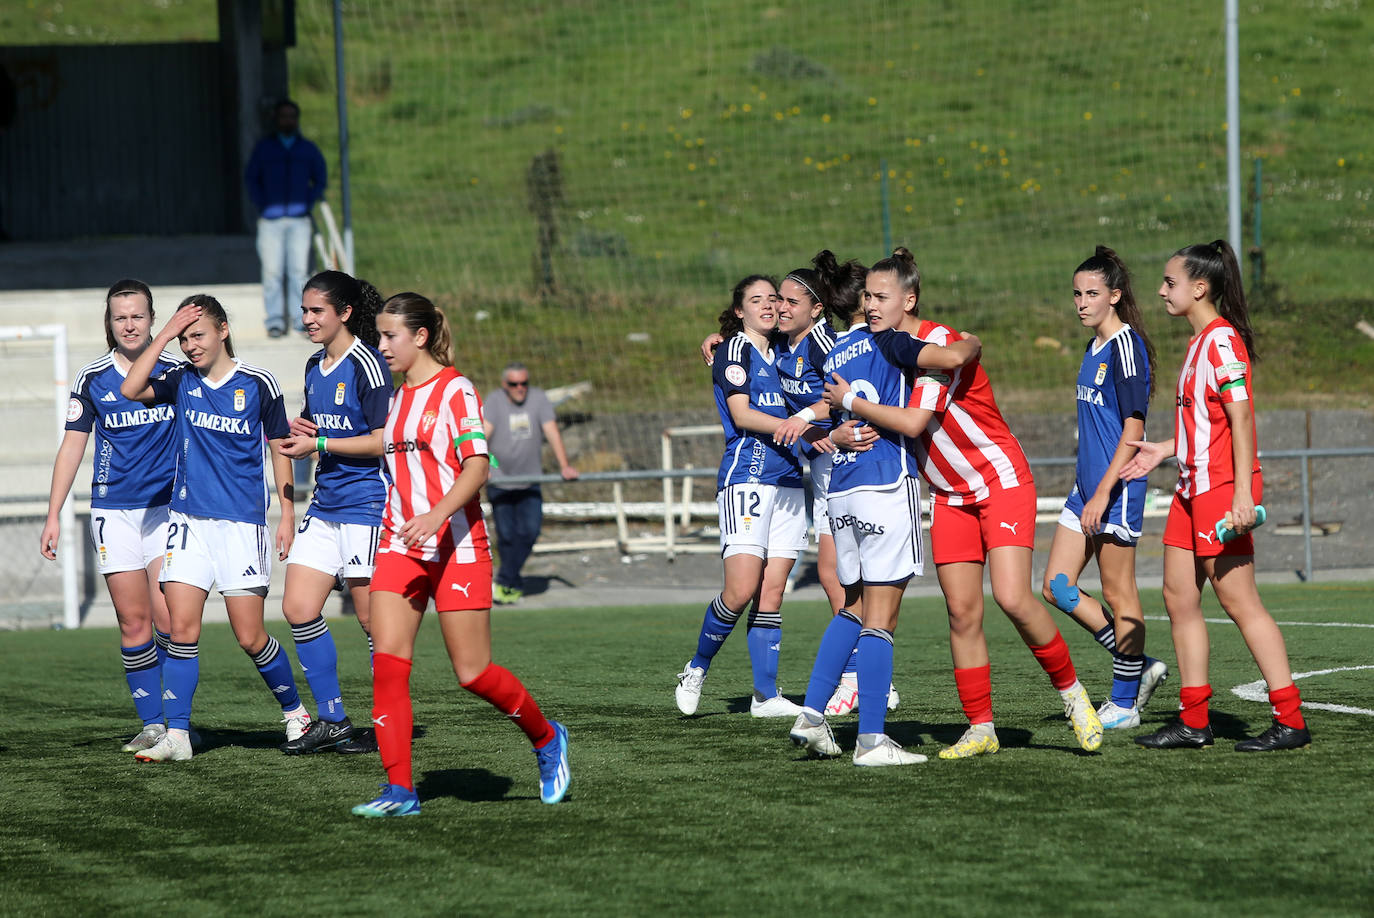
[(762, 520), (127, 540), (224, 554), (338, 549), (1070, 519), (878, 534), (821, 466)]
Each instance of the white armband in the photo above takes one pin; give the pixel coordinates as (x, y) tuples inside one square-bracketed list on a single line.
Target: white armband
[(848, 401), (807, 415)]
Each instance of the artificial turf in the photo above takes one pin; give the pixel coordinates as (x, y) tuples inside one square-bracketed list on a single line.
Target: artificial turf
[(713, 814)]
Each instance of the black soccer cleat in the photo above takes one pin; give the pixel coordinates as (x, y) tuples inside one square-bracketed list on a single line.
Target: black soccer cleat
[(360, 743), (1278, 736), (1177, 735), (322, 735)]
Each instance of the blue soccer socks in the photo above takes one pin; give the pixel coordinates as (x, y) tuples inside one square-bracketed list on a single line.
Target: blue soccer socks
[(275, 669), (143, 672), (765, 647), (320, 663), (837, 643), (715, 628), (875, 677)]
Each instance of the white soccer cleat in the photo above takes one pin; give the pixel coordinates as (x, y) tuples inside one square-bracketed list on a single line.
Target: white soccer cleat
[(777, 706), (175, 746), (893, 699), (688, 691), (1087, 729), (147, 738), (887, 752), (811, 732), (1115, 717), (846, 697), (1155, 674), (297, 723)]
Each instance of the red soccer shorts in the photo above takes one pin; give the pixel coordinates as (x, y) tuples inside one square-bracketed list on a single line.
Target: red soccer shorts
[(967, 532), (452, 586), (1192, 522)]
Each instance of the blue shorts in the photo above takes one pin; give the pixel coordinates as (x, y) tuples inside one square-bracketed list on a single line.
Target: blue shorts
[(1124, 517)]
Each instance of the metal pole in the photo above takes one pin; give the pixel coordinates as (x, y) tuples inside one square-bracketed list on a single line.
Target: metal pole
[(667, 453), (1306, 525), (341, 93), (1233, 124), (69, 545), (887, 212), (1257, 244)]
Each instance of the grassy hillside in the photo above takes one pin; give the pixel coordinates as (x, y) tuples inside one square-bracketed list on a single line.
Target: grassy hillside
[(699, 141)]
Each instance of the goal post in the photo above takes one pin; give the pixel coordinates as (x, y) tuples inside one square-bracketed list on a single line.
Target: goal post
[(69, 544)]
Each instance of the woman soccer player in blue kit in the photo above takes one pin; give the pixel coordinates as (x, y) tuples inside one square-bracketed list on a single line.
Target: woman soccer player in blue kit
[(1103, 515), (347, 395), (217, 530), (759, 497), (130, 489)]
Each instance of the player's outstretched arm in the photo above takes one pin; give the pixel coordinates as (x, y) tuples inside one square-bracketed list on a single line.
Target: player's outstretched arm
[(302, 444), (1132, 430), (751, 419), (908, 422), (709, 345), (1148, 456), (135, 385), (951, 356)]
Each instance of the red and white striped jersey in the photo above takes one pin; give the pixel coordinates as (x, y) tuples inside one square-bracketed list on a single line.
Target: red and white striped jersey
[(967, 451), (430, 430), (1215, 373)]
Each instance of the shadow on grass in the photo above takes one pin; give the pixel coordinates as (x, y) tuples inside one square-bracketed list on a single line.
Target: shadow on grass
[(473, 785), (533, 586), (1224, 726)]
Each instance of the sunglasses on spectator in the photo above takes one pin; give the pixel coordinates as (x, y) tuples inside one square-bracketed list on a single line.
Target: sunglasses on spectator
[(518, 383)]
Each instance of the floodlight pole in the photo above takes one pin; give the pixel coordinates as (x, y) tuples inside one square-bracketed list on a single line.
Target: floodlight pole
[(341, 94), (1233, 125)]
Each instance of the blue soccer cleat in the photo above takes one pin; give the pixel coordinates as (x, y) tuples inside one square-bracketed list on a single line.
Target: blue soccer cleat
[(394, 801), (554, 774)]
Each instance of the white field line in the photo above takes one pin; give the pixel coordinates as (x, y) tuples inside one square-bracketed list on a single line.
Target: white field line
[(1259, 691), (1227, 621)]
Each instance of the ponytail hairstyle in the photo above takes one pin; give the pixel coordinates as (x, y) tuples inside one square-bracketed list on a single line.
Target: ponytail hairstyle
[(211, 309), (902, 263), (815, 285), (731, 324), (1113, 270), (341, 291), (418, 313), (846, 285), (1216, 264), (121, 288)]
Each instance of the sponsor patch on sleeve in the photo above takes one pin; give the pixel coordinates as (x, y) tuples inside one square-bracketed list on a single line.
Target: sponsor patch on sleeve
[(73, 409), (467, 424), (1231, 368), (735, 374), (933, 379)]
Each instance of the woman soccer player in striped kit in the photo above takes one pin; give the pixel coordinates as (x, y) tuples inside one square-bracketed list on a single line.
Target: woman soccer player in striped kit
[(759, 497), (347, 396), (1218, 479), (434, 546), (984, 514), (217, 529), (1103, 515), (130, 489), (875, 513)]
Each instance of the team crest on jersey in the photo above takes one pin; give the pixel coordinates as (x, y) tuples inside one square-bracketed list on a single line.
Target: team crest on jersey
[(428, 420), (748, 523), (339, 394), (734, 374), (1101, 374), (240, 400), (73, 409), (799, 367)]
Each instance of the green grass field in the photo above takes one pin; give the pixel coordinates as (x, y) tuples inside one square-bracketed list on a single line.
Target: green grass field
[(716, 814)]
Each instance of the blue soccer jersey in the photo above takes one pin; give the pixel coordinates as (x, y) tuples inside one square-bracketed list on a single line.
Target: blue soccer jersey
[(1113, 385), (350, 399), (222, 429), (800, 368), (860, 358), (135, 453), (750, 457)]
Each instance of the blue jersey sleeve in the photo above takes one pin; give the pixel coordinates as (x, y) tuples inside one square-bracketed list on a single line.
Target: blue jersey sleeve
[(731, 374), (898, 348), (166, 383), (274, 422), (80, 409), (376, 406), (1131, 377)]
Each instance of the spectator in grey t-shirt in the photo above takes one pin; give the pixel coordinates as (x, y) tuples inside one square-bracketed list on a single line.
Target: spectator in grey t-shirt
[(518, 419)]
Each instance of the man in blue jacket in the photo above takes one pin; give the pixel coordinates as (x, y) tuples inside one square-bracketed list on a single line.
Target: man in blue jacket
[(285, 177)]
